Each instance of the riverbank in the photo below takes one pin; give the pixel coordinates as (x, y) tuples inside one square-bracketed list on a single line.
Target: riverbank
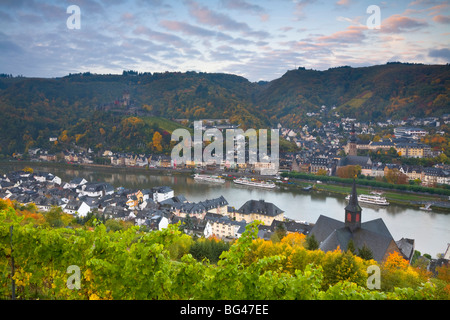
[(438, 203), (403, 198)]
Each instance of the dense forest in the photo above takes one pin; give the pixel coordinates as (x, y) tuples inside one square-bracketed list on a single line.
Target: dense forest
[(124, 111)]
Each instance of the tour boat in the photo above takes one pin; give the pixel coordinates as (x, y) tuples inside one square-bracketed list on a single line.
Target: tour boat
[(371, 199), (204, 177), (251, 183)]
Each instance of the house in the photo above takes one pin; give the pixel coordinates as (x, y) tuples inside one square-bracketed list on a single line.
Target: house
[(45, 204), (413, 150), (260, 210), (413, 172), (162, 193), (132, 202), (197, 210), (377, 170), (218, 205), (158, 222), (115, 212), (76, 207), (332, 234), (47, 177), (191, 225), (221, 226), (292, 226), (433, 176), (318, 164), (76, 182), (96, 189)]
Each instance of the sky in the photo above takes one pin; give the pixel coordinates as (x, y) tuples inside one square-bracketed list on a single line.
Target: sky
[(256, 39)]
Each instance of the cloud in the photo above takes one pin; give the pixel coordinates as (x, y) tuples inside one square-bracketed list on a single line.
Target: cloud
[(343, 3), (442, 19), (187, 28), (300, 6), (398, 23), (424, 2), (243, 6), (204, 15), (246, 7), (440, 53), (161, 37), (353, 34), (208, 17)]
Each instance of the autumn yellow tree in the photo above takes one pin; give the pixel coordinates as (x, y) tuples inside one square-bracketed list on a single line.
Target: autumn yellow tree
[(157, 138), (348, 171), (396, 177), (396, 272)]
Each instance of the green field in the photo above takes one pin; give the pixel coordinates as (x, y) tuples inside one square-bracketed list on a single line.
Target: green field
[(165, 124)]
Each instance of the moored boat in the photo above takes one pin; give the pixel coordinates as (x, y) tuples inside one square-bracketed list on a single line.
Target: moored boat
[(371, 199), (208, 178), (252, 183)]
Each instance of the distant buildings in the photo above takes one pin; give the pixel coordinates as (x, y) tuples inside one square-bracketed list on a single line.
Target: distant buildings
[(409, 132)]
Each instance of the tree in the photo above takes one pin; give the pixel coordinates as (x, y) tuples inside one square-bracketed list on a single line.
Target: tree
[(311, 243), (157, 138), (54, 217), (365, 253), (349, 172), (28, 169), (351, 246), (280, 231), (396, 177)]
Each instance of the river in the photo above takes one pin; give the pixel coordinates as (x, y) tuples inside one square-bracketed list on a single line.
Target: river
[(430, 230)]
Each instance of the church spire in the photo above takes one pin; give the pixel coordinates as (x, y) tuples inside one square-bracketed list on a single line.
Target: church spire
[(352, 142), (353, 210)]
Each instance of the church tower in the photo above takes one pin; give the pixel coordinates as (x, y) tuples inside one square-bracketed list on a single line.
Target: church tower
[(353, 211), (352, 142)]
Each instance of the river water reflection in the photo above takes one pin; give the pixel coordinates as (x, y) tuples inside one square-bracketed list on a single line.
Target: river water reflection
[(430, 230)]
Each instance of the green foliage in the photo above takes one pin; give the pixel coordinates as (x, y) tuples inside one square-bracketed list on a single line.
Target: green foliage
[(209, 249), (130, 264), (391, 90), (54, 217), (311, 242)]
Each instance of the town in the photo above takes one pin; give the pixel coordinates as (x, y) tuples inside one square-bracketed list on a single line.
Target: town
[(157, 207), (375, 148), (153, 208)]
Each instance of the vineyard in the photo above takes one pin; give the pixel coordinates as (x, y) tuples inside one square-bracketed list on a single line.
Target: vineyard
[(92, 262)]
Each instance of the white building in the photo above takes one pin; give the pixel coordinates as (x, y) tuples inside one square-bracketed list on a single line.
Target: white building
[(162, 193), (75, 207)]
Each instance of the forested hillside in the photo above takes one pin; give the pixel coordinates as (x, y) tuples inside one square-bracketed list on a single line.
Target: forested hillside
[(373, 93), (34, 109)]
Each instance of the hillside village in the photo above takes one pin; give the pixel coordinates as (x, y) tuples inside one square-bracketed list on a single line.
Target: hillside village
[(154, 208)]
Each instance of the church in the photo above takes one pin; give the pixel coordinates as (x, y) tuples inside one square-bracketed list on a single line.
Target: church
[(352, 159), (331, 233)]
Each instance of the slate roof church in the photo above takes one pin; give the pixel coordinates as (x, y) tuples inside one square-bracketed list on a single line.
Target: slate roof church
[(332, 233)]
